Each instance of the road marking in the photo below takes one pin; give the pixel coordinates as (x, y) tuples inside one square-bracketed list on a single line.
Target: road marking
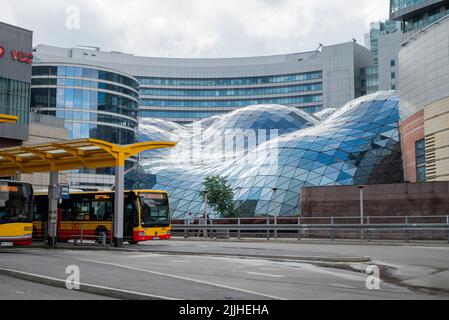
[(184, 278), (143, 256), (270, 269), (181, 261), (266, 274), (315, 269), (424, 247)]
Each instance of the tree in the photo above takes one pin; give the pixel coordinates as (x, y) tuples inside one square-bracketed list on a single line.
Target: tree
[(220, 196)]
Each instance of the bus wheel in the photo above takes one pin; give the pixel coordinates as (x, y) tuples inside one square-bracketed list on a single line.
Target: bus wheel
[(133, 242), (99, 234)]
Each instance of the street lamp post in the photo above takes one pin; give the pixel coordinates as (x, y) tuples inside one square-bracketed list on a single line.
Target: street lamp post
[(274, 198), (206, 211), (362, 213), (276, 213)]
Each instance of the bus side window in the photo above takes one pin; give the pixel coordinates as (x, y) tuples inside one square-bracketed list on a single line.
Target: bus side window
[(40, 208), (102, 210), (66, 210)]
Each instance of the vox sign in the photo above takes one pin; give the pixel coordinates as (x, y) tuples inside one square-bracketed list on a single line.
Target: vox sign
[(17, 55), (21, 56)]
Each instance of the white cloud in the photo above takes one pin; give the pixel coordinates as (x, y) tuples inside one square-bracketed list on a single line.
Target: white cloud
[(198, 28)]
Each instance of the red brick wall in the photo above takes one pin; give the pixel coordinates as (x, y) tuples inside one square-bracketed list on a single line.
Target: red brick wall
[(411, 130), (398, 200)]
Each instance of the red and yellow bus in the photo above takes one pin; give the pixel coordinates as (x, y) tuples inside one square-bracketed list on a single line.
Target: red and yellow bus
[(146, 216), (16, 213)]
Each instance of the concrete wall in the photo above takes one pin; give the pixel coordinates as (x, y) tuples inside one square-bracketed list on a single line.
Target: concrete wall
[(389, 46), (12, 37), (379, 200), (424, 69)]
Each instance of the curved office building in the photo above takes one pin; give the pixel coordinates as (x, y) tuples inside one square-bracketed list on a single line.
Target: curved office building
[(187, 90), (276, 151), (94, 103)]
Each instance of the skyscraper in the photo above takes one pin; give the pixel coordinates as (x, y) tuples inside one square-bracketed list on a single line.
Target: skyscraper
[(384, 40), (417, 14)]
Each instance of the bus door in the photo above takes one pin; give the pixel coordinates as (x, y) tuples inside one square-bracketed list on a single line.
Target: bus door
[(129, 216)]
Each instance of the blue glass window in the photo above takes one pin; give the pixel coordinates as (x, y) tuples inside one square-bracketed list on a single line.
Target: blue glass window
[(231, 103), (234, 92), (231, 81)]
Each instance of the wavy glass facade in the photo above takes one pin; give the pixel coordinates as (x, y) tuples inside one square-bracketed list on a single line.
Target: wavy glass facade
[(186, 90), (356, 144), (94, 103)]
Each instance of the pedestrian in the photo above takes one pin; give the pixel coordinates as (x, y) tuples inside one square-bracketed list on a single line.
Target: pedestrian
[(188, 222)]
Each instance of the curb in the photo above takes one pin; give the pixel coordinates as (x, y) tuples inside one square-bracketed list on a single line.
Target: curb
[(214, 254), (86, 288), (270, 257), (441, 243)]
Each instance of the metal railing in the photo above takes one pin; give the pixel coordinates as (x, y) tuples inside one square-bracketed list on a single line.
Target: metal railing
[(373, 228)]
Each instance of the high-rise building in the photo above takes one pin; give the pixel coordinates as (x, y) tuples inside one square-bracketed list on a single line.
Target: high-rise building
[(384, 40), (15, 77), (417, 14), (424, 103), (94, 102), (185, 90)]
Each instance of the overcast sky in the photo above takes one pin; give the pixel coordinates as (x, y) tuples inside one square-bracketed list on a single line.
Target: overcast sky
[(195, 28)]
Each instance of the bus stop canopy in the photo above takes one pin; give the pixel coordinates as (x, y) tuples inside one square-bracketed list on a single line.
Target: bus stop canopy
[(5, 118), (71, 155)]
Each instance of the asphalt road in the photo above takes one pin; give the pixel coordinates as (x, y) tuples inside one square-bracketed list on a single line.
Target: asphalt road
[(16, 289), (412, 255), (189, 276)]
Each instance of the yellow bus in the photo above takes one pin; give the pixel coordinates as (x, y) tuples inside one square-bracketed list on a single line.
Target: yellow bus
[(146, 216), (16, 213)]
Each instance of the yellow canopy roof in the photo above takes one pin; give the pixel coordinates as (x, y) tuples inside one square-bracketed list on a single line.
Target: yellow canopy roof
[(5, 118), (71, 155)]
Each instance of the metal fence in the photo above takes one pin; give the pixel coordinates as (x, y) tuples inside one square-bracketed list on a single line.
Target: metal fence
[(404, 228)]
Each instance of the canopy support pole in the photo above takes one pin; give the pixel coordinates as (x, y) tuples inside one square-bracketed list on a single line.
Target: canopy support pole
[(53, 197), (119, 202)]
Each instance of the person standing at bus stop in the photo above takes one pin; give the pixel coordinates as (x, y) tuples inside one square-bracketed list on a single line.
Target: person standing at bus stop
[(188, 221)]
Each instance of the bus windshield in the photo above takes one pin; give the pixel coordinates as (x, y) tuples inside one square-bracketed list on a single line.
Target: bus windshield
[(15, 203), (155, 211)]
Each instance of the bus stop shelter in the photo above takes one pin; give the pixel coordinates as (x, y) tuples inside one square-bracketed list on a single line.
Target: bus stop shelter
[(72, 155)]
